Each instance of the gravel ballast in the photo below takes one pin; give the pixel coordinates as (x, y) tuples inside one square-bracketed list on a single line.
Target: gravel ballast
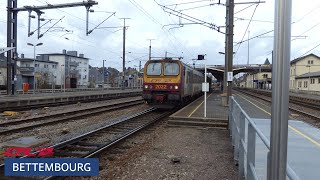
[(171, 153)]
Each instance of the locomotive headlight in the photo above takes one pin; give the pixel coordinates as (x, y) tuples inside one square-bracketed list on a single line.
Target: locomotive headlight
[(176, 87), (146, 86)]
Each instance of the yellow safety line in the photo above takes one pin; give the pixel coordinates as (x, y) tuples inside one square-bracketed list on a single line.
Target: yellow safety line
[(294, 129), (252, 99), (197, 107)]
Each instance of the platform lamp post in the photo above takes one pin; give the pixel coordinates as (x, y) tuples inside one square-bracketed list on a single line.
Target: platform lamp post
[(103, 77), (205, 86), (63, 78), (34, 64)]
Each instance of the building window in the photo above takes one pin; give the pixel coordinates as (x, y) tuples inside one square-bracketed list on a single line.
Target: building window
[(54, 66), (45, 65), (318, 80), (312, 62), (36, 65), (0, 72), (27, 65), (305, 84), (299, 84), (312, 81), (265, 75)]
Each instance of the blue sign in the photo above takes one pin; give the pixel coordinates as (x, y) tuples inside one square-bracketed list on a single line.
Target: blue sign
[(51, 167)]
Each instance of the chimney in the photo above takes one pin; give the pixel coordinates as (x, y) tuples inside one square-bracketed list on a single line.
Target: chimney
[(64, 51), (22, 56), (81, 55)]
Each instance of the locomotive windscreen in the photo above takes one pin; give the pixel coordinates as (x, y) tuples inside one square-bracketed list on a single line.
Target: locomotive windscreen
[(171, 68), (154, 69)]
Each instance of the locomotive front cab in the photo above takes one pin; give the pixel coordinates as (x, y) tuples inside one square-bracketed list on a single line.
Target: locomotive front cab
[(161, 81)]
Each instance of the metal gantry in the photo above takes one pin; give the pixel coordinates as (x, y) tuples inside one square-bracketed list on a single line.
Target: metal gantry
[(12, 14)]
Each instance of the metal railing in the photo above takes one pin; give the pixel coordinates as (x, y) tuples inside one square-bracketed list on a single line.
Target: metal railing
[(243, 132)]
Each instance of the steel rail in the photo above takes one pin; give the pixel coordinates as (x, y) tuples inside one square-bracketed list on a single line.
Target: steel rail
[(290, 108), (81, 113)]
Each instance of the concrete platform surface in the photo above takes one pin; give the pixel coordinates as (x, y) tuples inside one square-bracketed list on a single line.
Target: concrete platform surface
[(303, 149), (21, 100), (31, 141), (4, 98), (193, 114)]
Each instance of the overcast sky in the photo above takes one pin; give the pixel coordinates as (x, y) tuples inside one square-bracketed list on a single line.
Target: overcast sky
[(148, 20)]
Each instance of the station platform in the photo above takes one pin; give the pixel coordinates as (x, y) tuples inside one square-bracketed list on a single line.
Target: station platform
[(193, 114), (303, 141), (7, 102), (303, 149)]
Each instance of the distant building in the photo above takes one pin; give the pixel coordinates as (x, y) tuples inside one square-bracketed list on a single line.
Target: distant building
[(3, 71), (309, 81), (302, 67), (260, 80), (96, 77), (73, 69), (44, 70), (304, 75)]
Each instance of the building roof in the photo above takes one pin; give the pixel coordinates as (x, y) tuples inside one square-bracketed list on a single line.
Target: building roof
[(300, 58), (60, 54), (307, 75), (37, 60)]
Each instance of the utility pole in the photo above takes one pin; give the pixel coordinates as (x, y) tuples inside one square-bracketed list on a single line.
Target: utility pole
[(150, 49), (228, 71), (103, 77), (248, 48), (124, 51)]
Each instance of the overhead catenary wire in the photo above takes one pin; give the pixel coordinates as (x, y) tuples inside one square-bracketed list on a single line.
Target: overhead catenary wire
[(244, 9), (167, 33), (247, 28), (310, 50), (154, 20), (91, 23), (190, 18), (191, 2)]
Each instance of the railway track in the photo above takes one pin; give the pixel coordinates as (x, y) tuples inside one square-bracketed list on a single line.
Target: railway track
[(20, 125), (290, 108), (309, 103), (92, 143)]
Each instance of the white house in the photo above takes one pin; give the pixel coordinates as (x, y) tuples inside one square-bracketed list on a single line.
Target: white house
[(72, 69), (45, 72)]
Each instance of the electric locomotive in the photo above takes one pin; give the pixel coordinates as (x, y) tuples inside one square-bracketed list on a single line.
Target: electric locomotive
[(169, 82)]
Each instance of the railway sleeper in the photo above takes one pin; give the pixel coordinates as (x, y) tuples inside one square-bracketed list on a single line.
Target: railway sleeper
[(83, 143), (78, 147), (60, 153)]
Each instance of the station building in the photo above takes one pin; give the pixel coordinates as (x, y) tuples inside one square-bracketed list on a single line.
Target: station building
[(304, 76), (303, 73)]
